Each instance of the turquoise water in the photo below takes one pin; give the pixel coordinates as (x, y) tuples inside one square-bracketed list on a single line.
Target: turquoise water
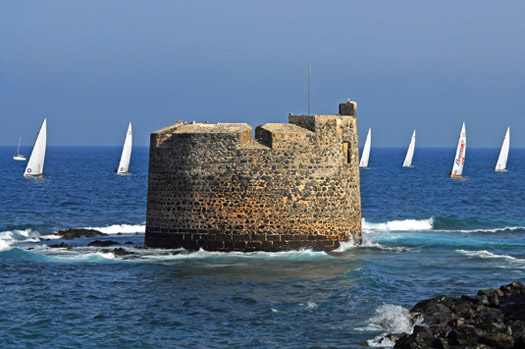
[(424, 234)]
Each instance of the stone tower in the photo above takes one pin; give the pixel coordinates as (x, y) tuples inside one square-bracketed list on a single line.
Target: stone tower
[(295, 185)]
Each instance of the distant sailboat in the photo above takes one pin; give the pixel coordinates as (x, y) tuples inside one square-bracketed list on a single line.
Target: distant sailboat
[(366, 150), (410, 151), (35, 165), (19, 156), (126, 153), (501, 165), (459, 160)]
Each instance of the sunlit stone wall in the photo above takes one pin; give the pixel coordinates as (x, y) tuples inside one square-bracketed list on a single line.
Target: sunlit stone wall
[(295, 185)]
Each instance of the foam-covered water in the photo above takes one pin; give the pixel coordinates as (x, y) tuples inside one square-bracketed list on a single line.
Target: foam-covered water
[(423, 234)]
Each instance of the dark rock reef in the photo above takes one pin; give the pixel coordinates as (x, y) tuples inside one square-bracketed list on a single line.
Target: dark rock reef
[(79, 233), (119, 251), (495, 318), (103, 243), (61, 245)]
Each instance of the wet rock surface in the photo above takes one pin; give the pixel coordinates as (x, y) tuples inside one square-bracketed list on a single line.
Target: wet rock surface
[(60, 245), (495, 318), (102, 243), (79, 233), (119, 251)]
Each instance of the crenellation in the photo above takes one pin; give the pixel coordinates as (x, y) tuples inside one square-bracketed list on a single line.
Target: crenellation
[(295, 185)]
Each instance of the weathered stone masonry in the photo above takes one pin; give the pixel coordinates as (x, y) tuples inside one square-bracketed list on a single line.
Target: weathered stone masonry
[(295, 185)]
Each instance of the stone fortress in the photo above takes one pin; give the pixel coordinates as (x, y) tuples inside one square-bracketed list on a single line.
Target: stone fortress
[(295, 185)]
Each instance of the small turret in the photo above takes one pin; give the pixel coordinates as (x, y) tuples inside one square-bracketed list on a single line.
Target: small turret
[(348, 108)]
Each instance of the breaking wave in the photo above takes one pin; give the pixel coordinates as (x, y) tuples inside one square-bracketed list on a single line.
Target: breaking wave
[(11, 237), (399, 225), (465, 225), (369, 243), (388, 319), (484, 254), (121, 228)]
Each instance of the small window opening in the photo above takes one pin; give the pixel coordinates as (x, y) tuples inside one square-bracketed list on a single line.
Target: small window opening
[(346, 152)]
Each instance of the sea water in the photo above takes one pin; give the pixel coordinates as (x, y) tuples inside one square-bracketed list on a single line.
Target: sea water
[(423, 234)]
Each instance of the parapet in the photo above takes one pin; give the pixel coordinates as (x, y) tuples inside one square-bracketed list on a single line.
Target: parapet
[(238, 133)]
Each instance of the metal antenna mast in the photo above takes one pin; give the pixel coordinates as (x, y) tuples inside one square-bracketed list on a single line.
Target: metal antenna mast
[(309, 88)]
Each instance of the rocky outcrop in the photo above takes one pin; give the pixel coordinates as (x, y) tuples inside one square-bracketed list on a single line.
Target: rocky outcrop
[(60, 245), (78, 233), (495, 318), (102, 243), (119, 251)]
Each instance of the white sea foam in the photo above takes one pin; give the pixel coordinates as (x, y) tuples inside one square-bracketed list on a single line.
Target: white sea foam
[(165, 255), (369, 243), (494, 230), (398, 225), (484, 254), (388, 318), (9, 238), (311, 305), (121, 228)]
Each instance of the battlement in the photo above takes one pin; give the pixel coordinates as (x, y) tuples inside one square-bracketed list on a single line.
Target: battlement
[(293, 185)]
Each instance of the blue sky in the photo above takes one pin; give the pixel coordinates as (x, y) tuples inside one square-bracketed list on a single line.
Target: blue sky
[(92, 66)]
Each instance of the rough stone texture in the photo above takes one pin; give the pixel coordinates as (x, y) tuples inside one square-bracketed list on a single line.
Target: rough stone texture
[(495, 318), (295, 185)]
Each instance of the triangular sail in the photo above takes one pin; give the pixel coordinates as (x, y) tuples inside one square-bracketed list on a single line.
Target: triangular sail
[(501, 165), (366, 150), (126, 153), (35, 165), (410, 151), (459, 160)]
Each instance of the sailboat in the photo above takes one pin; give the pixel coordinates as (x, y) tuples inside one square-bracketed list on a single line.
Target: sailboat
[(459, 160), (19, 156), (35, 165), (410, 151), (501, 165), (126, 153), (366, 150)]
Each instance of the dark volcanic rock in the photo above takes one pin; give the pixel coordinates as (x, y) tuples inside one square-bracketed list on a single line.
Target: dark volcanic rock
[(103, 243), (119, 251), (79, 233), (495, 318), (61, 245)]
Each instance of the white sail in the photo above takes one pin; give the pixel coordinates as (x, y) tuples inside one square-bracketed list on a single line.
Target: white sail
[(459, 160), (501, 165), (126, 153), (35, 165), (410, 151), (366, 150), (19, 156)]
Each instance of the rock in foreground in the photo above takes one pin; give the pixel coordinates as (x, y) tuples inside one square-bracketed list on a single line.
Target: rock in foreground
[(495, 318), (79, 233)]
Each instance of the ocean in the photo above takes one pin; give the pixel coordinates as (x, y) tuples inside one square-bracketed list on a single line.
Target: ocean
[(424, 234)]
